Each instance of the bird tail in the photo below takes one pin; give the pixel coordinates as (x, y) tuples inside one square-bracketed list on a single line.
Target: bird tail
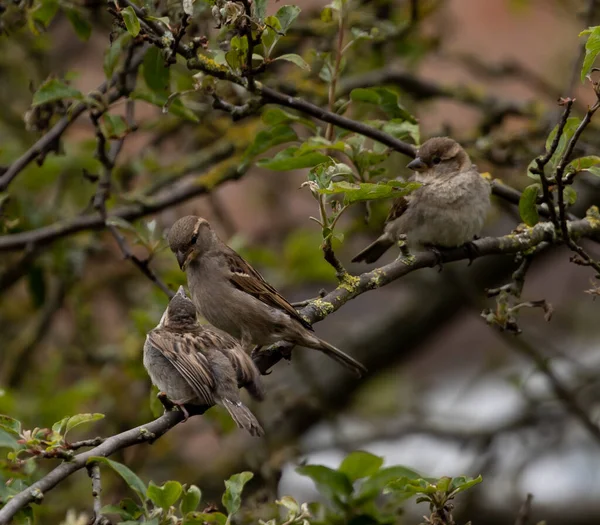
[(243, 418), (336, 354), (375, 250)]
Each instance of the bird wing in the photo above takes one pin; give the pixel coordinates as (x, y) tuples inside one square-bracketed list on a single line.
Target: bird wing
[(246, 372), (399, 206), (184, 352), (248, 280)]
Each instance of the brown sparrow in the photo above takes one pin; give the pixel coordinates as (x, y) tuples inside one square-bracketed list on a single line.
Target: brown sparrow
[(234, 297), (447, 211), (196, 365)]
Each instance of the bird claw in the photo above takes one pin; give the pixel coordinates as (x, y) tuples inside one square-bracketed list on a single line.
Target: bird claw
[(472, 251)]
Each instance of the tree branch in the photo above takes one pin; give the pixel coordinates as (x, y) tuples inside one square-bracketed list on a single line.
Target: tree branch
[(54, 134), (227, 170), (142, 434), (354, 286)]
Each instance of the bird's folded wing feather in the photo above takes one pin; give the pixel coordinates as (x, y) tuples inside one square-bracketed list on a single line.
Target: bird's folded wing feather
[(248, 280), (183, 351), (399, 206)]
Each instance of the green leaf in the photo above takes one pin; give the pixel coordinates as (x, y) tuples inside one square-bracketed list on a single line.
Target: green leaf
[(60, 426), (411, 486), (156, 74), (569, 195), (366, 191), (271, 35), (583, 163), (126, 510), (176, 107), (291, 159), (386, 99), (261, 8), (130, 477), (53, 90), (114, 126), (462, 483), (295, 59), (113, 53), (191, 499), (402, 129), (131, 21), (166, 495), (275, 116), (83, 29), (325, 172), (360, 464), (528, 205), (200, 518), (592, 48), (232, 498), (7, 440), (80, 419), (331, 483), (286, 16), (373, 486), (44, 12), (289, 503), (268, 138), (568, 131)]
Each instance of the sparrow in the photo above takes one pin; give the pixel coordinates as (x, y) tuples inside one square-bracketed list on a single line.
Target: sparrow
[(197, 365), (235, 298), (447, 210)]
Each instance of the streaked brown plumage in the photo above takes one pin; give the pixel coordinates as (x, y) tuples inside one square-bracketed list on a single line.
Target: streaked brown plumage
[(235, 298), (197, 365), (448, 210)]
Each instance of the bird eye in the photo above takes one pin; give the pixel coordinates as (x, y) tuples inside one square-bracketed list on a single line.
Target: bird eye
[(436, 160), (194, 238)]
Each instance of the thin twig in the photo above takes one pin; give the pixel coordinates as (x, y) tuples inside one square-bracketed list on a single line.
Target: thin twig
[(146, 433), (104, 188), (564, 395), (524, 511), (586, 259), (542, 160), (94, 442), (52, 136), (229, 170), (94, 473)]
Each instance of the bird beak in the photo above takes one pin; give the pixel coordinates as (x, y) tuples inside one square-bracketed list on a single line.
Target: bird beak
[(183, 258), (417, 165), (181, 292)]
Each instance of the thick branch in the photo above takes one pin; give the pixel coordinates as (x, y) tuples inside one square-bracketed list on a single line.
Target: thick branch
[(227, 171), (352, 287)]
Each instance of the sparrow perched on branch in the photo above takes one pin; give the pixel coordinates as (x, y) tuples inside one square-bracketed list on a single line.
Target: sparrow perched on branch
[(196, 365), (235, 298), (447, 211)]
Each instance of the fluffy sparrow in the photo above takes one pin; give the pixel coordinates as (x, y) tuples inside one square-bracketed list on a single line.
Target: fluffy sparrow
[(449, 208), (235, 298), (196, 365)]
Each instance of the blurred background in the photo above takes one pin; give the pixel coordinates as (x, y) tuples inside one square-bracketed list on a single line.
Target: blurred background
[(446, 394)]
